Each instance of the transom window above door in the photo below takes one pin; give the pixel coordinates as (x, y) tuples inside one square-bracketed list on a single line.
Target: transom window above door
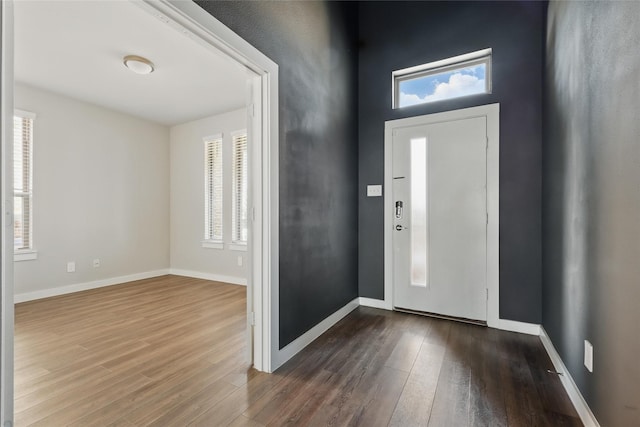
[(462, 75)]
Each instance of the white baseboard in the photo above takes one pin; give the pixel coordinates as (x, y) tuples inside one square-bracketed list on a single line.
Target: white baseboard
[(62, 290), (308, 337), (520, 327), (375, 303), (587, 417), (209, 276)]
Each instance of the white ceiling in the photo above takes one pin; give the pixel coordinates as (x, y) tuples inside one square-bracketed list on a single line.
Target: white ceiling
[(76, 48)]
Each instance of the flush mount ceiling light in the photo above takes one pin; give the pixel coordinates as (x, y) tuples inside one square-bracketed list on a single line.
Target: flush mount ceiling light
[(138, 64)]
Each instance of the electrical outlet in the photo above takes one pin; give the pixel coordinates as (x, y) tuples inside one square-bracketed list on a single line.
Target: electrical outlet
[(71, 267), (96, 263), (588, 355), (239, 261)]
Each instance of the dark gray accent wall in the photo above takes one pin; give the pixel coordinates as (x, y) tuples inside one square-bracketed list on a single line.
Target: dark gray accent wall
[(315, 47), (396, 35), (591, 200)]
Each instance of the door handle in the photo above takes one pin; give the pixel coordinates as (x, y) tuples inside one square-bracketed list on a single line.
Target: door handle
[(399, 209)]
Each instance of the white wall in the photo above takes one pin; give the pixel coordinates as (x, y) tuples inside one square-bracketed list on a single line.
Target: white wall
[(100, 189), (127, 191), (187, 200)]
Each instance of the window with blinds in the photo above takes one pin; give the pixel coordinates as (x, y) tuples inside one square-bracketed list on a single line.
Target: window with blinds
[(22, 180), (239, 192), (213, 188)]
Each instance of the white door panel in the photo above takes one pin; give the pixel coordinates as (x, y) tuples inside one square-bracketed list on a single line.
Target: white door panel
[(439, 241)]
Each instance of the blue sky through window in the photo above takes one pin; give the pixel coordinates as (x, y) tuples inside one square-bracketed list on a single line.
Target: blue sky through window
[(450, 84)]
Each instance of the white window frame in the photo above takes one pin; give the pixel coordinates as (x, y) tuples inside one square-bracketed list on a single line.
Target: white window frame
[(26, 253), (442, 66), (235, 241), (212, 212)]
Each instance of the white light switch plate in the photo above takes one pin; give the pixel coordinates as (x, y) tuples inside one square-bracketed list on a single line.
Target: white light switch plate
[(374, 190), (588, 355)]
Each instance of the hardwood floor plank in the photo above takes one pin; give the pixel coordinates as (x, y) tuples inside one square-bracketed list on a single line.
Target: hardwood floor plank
[(547, 384), (341, 396), (129, 401), (405, 352), (486, 399), (364, 372), (69, 410), (304, 372), (121, 423), (523, 404), (415, 403), (451, 402), (241, 376), (85, 380), (229, 409), (378, 397), (304, 405), (189, 408), (268, 407), (243, 421), (27, 375)]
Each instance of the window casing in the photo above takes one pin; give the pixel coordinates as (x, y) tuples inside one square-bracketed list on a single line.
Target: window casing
[(239, 230), (462, 75), (213, 189), (23, 181)]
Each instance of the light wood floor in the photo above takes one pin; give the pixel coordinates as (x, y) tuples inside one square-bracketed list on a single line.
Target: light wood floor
[(170, 352)]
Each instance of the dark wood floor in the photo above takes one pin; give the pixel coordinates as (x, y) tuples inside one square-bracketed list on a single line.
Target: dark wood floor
[(169, 352)]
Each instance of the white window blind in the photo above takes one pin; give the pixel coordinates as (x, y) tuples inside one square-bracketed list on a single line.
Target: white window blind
[(240, 183), (22, 181), (213, 188)]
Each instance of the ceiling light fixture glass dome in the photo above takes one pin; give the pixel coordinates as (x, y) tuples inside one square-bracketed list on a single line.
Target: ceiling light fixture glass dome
[(138, 64)]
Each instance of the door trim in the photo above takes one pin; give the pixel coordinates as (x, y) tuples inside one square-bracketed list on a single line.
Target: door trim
[(492, 113), (264, 232), (6, 189)]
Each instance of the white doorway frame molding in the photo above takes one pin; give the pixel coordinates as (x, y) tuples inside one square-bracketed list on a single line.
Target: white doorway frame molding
[(193, 21), (203, 28), (492, 114)]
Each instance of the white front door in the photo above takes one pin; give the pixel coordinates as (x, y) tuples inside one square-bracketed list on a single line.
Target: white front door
[(439, 197)]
